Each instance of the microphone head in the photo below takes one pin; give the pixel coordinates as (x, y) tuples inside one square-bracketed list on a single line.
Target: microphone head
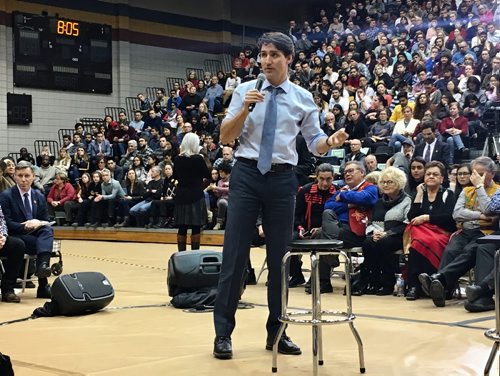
[(260, 81)]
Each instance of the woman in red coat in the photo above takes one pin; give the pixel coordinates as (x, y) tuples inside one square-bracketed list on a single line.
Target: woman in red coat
[(60, 192)]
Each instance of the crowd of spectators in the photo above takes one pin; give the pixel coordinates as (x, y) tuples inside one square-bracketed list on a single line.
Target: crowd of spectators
[(417, 82)]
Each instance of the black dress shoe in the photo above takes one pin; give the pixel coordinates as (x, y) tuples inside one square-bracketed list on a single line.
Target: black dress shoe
[(296, 281), (43, 292), (437, 293), (251, 279), (482, 304), (43, 270), (371, 290), (10, 297), (412, 294), (285, 346), (223, 348), (475, 292), (425, 281)]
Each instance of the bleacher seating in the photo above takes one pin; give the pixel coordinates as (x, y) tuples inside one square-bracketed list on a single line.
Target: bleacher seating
[(171, 80), (213, 66), (53, 146), (113, 111)]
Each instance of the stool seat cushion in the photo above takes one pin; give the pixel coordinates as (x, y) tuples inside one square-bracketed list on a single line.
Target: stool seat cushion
[(315, 244)]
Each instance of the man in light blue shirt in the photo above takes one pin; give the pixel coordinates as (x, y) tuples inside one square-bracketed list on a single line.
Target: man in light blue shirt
[(263, 178), (214, 95)]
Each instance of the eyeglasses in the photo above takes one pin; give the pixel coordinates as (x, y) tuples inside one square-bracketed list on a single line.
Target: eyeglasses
[(350, 171), (463, 174), (386, 182)]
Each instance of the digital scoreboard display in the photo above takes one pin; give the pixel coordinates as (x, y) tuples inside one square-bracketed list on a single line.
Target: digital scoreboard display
[(61, 54)]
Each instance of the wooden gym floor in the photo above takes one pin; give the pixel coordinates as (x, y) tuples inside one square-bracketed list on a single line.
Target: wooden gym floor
[(139, 334)]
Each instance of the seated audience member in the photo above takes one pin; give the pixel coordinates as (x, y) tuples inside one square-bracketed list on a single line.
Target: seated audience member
[(144, 104), (309, 207), (162, 210), (397, 113), (150, 163), (25, 211), (152, 191), (115, 170), (431, 224), (138, 167), (63, 163), (221, 191), (128, 158), (210, 198), (475, 221), (134, 191), (401, 159), (464, 173), (190, 103), (346, 213), (137, 124), (7, 169), (12, 250), (480, 295), (100, 147), (61, 192), (227, 157), (384, 236), (143, 150), (404, 129), (380, 132), (82, 192), (416, 175), (45, 152), (25, 156), (103, 206), (80, 164), (432, 149), (454, 130), (46, 173), (371, 163), (214, 96), (355, 154), (84, 210)]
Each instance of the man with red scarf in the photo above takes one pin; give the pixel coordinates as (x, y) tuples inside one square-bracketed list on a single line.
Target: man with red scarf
[(309, 208)]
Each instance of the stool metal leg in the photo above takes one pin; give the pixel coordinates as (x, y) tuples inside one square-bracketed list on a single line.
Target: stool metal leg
[(347, 266), (264, 267), (494, 334), (284, 290), (25, 274), (491, 358), (316, 310)]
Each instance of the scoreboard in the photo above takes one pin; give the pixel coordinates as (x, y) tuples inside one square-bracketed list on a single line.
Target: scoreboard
[(61, 54)]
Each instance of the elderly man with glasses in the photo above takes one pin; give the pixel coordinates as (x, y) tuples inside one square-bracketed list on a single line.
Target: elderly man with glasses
[(346, 215)]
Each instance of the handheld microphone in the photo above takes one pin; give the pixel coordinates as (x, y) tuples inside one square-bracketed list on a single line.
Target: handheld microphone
[(258, 85)]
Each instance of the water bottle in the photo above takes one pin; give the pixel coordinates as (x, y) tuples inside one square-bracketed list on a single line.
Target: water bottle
[(399, 287)]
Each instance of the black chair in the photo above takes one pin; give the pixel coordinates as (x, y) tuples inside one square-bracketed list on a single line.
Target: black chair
[(199, 72), (170, 81), (383, 153), (132, 104), (113, 111)]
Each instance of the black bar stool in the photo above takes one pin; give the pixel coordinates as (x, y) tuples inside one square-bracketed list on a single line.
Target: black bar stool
[(315, 317)]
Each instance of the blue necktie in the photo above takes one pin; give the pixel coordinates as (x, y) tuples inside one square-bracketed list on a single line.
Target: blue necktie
[(268, 132), (27, 207)]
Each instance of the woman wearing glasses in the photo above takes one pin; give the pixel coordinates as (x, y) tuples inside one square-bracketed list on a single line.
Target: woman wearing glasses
[(384, 236), (431, 225)]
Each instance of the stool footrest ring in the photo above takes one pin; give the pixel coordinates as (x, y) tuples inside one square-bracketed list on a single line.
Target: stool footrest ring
[(342, 318), (492, 334)]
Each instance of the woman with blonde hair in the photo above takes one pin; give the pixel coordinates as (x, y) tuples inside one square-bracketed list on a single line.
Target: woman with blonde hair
[(190, 209), (384, 236)]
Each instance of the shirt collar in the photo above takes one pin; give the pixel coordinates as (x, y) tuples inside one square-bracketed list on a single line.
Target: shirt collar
[(285, 85), (21, 192)]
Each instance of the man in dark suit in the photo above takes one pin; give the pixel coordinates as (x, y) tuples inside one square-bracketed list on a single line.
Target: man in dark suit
[(432, 149), (25, 211)]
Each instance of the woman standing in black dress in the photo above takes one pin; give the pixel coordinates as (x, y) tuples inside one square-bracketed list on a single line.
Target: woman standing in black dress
[(190, 210)]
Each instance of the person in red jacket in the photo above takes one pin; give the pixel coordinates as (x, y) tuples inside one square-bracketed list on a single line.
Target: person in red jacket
[(60, 192), (454, 128)]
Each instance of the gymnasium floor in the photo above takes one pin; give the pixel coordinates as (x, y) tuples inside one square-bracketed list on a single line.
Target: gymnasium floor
[(139, 334)]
